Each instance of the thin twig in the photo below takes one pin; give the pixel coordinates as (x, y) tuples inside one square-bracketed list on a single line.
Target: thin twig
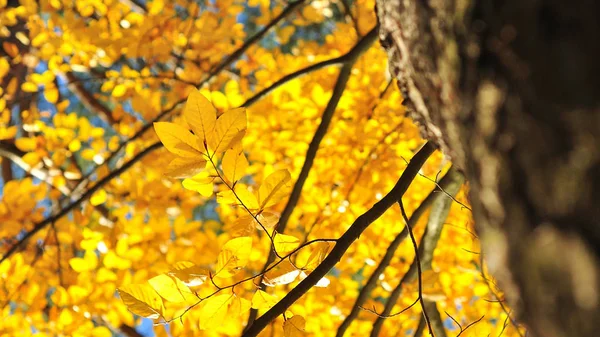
[(344, 242), (419, 271), (389, 254), (78, 202), (230, 59), (338, 90), (424, 253)]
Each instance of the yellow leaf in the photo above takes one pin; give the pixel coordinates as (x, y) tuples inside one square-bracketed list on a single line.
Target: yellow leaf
[(213, 310), (75, 145), (227, 197), (243, 226), (65, 318), (51, 94), (317, 255), (275, 187), (283, 272), (481, 289), (263, 300), (101, 331), (233, 256), (113, 261), (190, 274), (241, 196), (200, 183), (4, 67), (32, 158), (268, 220), (234, 163), (98, 198), (142, 300), (285, 33), (185, 167), (8, 132), (294, 326), (238, 307), (319, 96), (229, 129), (285, 244), (119, 90), (86, 263), (200, 115), (177, 139), (156, 6), (431, 286), (26, 144), (171, 288)]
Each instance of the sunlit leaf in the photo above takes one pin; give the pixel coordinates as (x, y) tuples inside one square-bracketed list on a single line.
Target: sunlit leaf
[(213, 310), (142, 300), (283, 272), (183, 167), (171, 288), (294, 326), (267, 219), (234, 163), (178, 140), (238, 306), (200, 114), (98, 198), (263, 300), (233, 256), (229, 129), (275, 187), (317, 255), (285, 244), (189, 273), (200, 183)]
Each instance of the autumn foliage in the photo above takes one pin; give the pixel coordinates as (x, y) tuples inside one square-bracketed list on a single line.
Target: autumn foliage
[(184, 168)]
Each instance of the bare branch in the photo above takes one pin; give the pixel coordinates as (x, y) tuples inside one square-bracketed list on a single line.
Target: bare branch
[(252, 40), (78, 202), (88, 99), (14, 156), (349, 59), (389, 254), (344, 242), (437, 324), (419, 269), (230, 59), (424, 253)]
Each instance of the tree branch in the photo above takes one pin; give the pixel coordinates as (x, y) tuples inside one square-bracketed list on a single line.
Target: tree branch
[(93, 104), (344, 242), (80, 200), (349, 57), (237, 53), (437, 324), (348, 61), (424, 254), (14, 155), (311, 153), (289, 9), (445, 183)]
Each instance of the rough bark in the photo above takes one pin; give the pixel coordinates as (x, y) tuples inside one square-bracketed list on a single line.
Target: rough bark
[(511, 91)]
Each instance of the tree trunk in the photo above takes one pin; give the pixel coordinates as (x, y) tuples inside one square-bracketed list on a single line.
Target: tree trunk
[(510, 90)]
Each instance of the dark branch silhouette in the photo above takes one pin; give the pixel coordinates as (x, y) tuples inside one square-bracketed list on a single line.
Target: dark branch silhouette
[(344, 242)]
